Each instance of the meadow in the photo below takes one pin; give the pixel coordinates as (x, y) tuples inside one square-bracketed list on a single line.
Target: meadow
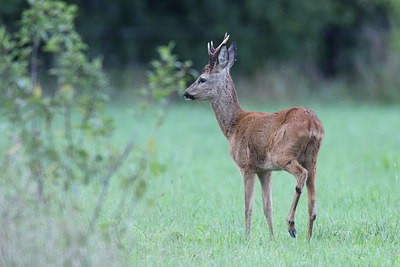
[(197, 211), (192, 212)]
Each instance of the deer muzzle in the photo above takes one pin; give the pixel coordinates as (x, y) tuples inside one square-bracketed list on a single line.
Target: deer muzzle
[(188, 96)]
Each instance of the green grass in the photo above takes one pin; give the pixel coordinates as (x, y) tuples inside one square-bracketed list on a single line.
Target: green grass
[(197, 216), (193, 212)]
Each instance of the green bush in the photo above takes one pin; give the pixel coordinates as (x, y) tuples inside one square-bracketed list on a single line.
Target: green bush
[(60, 140)]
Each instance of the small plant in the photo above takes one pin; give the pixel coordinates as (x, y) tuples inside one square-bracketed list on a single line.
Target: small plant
[(33, 110), (59, 135), (167, 75)]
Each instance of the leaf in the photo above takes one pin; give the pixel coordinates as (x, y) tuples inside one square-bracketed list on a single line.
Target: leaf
[(37, 91), (67, 91), (156, 168), (53, 44), (151, 146)]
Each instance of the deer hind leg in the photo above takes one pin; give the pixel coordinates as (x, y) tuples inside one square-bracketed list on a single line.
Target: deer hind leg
[(248, 180), (266, 189), (310, 164), (312, 214), (293, 166)]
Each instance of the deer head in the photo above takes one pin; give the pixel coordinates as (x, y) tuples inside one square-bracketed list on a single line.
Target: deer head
[(211, 81)]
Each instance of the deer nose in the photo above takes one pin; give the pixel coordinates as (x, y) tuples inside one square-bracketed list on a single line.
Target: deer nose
[(188, 96)]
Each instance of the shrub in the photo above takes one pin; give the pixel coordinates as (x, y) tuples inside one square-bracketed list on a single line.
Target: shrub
[(60, 141)]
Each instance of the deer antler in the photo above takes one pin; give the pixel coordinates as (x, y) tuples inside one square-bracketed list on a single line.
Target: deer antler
[(213, 52)]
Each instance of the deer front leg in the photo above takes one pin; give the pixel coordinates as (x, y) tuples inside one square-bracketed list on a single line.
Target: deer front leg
[(266, 189), (301, 174), (248, 180)]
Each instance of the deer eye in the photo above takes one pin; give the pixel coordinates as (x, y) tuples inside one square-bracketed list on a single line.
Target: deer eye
[(202, 80)]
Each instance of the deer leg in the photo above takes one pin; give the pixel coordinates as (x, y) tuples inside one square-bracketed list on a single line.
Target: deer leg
[(293, 167), (311, 165), (248, 180), (311, 199), (266, 189)]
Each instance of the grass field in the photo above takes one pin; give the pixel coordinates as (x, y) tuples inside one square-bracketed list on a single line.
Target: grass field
[(197, 216), (193, 212)]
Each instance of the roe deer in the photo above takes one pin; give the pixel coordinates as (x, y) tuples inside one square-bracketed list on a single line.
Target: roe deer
[(261, 142)]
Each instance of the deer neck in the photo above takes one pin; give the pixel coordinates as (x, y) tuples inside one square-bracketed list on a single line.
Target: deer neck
[(227, 108)]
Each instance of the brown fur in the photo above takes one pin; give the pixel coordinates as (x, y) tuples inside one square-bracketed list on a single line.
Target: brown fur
[(262, 142)]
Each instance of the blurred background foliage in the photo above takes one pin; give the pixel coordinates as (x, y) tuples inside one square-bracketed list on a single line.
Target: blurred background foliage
[(352, 41)]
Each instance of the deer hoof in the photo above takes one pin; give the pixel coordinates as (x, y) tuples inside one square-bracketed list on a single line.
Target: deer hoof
[(292, 232)]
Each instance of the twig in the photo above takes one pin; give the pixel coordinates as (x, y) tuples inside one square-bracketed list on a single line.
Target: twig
[(121, 206), (106, 182), (68, 133)]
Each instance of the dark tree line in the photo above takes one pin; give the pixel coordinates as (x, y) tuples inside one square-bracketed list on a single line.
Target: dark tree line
[(328, 34)]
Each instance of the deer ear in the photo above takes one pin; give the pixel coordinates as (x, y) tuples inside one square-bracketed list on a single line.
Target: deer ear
[(232, 52), (223, 57)]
